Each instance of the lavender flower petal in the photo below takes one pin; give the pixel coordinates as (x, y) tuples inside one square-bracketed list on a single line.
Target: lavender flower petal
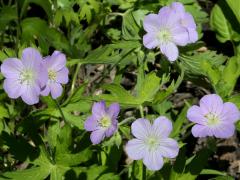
[(230, 112), (11, 68), (170, 50), (135, 149), (211, 103), (201, 131), (56, 90), (169, 148), (162, 127), (141, 128), (195, 114), (113, 110), (153, 161), (97, 136), (99, 109)]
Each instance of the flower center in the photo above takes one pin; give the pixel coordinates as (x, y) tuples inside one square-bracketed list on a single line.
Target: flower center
[(152, 143), (52, 75), (213, 119), (27, 77), (164, 35), (105, 122)]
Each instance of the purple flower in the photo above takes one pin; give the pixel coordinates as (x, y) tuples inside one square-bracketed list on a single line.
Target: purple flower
[(186, 20), (213, 117), (25, 77), (152, 143), (103, 122), (172, 26), (57, 74)]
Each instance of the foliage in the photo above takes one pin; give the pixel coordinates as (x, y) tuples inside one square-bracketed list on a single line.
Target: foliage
[(107, 61)]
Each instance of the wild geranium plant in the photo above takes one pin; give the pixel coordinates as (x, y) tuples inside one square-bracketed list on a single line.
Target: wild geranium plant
[(119, 89)]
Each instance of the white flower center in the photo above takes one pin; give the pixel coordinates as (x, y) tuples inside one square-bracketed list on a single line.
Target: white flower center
[(105, 122), (164, 35), (152, 143), (213, 119), (27, 77), (52, 75)]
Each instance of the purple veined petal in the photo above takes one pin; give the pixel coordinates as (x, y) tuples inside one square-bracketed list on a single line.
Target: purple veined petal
[(168, 148), (224, 130), (91, 124), (11, 68), (153, 160), (230, 113), (56, 90), (62, 76), (57, 61), (97, 136), (99, 109), (45, 91), (180, 35), (170, 50), (211, 103), (193, 35), (13, 88), (178, 7), (136, 149), (201, 131), (30, 94), (169, 17), (150, 41), (42, 75), (152, 23), (162, 127), (188, 21), (111, 130), (31, 58), (195, 114), (113, 110), (141, 128)]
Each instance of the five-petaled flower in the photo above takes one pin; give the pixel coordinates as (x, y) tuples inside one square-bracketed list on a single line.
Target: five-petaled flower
[(25, 77), (213, 117), (172, 26), (103, 121), (57, 74), (152, 142)]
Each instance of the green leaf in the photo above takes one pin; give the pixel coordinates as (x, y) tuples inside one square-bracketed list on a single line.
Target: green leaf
[(235, 6), (130, 28), (162, 95), (36, 173), (229, 77), (3, 112), (149, 88), (212, 73), (181, 118), (68, 159), (222, 26), (212, 172), (7, 15), (192, 64), (120, 95), (36, 28), (46, 5)]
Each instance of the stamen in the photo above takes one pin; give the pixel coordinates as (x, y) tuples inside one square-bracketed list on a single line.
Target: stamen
[(105, 122), (213, 119), (52, 75)]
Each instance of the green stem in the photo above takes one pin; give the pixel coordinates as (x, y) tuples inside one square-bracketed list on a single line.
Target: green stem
[(144, 172), (141, 111), (126, 120), (60, 110), (74, 79)]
